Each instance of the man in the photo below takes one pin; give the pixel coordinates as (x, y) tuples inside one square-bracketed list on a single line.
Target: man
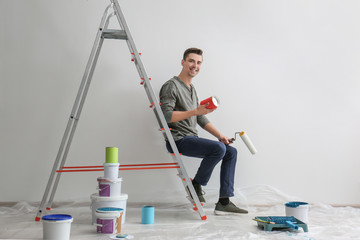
[(180, 105)]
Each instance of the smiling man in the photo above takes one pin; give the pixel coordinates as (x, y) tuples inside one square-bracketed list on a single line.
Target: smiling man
[(180, 105)]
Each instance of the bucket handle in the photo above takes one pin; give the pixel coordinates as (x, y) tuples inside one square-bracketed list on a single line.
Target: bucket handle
[(100, 225)]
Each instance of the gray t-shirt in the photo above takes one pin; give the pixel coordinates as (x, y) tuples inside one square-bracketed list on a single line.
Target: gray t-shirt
[(177, 96)]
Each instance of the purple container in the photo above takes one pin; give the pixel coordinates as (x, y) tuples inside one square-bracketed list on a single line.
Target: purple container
[(109, 187)]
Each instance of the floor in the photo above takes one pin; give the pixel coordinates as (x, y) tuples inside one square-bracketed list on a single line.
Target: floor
[(179, 221)]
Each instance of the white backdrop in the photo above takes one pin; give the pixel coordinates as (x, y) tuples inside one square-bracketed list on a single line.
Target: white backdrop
[(287, 72)]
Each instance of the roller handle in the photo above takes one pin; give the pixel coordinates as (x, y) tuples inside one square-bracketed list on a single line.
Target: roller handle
[(293, 226)]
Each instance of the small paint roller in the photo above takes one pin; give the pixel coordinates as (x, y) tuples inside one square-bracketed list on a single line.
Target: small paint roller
[(288, 221), (246, 140)]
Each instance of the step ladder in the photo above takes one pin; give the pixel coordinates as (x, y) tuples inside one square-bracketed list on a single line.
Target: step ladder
[(123, 34)]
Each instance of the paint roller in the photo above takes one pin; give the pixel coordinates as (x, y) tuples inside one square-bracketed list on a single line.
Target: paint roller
[(246, 140), (288, 221), (213, 103)]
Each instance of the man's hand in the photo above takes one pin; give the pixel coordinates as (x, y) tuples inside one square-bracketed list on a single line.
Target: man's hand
[(181, 115), (202, 110), (211, 129), (225, 140)]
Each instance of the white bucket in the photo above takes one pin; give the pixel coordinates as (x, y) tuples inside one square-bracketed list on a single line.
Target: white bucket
[(109, 187), (298, 210), (108, 220), (57, 226), (100, 202), (111, 170)]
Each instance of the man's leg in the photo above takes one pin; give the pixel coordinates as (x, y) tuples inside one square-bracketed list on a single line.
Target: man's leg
[(211, 151), (227, 175), (227, 172)]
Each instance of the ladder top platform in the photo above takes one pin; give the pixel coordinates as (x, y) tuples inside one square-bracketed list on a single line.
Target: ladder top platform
[(114, 34)]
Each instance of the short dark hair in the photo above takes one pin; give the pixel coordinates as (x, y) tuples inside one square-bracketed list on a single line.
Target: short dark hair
[(192, 50)]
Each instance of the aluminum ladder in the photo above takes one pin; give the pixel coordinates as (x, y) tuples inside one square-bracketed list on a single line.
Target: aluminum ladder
[(123, 34)]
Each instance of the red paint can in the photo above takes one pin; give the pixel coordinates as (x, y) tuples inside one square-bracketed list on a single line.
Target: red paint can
[(213, 102)]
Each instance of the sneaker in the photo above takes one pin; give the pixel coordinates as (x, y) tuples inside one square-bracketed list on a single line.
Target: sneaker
[(200, 193), (229, 209)]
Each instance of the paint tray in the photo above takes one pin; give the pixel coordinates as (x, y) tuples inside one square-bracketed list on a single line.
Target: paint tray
[(279, 223)]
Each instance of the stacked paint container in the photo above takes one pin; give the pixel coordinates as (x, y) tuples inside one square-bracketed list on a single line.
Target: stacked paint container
[(109, 204)]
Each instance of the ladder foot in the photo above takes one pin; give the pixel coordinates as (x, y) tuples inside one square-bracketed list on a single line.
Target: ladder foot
[(37, 219), (195, 208), (48, 208), (204, 217)]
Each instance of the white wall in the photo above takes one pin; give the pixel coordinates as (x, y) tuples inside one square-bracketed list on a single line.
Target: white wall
[(287, 72)]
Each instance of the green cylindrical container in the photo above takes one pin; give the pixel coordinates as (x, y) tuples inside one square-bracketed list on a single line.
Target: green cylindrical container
[(112, 155)]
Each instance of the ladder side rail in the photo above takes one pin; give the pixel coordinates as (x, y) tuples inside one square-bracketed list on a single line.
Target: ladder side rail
[(69, 127), (188, 182), (142, 72), (131, 44), (185, 179), (141, 68), (138, 63), (123, 25), (132, 48), (103, 22), (163, 124), (154, 100), (89, 74), (53, 171), (158, 120)]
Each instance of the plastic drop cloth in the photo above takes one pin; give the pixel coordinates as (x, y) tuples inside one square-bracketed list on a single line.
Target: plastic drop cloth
[(177, 220)]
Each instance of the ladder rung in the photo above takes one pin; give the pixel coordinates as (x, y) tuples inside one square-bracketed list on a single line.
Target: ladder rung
[(114, 34)]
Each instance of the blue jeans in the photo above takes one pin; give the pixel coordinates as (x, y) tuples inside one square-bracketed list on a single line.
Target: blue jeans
[(212, 152)]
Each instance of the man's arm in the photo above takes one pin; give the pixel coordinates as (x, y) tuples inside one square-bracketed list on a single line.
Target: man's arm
[(213, 131), (181, 115)]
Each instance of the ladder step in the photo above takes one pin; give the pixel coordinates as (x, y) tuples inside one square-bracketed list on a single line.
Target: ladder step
[(114, 34)]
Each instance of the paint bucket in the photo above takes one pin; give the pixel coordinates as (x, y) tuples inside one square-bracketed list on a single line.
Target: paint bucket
[(298, 210), (109, 187), (57, 226), (111, 155), (147, 215), (108, 220), (111, 170), (100, 202), (213, 102)]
